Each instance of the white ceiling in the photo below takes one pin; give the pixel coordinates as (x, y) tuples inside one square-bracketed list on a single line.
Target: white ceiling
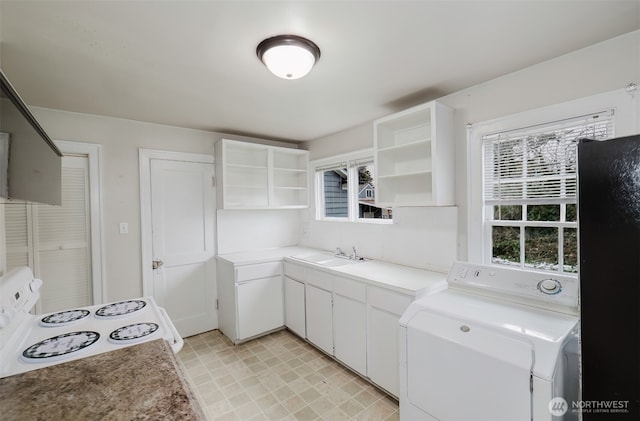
[(193, 63)]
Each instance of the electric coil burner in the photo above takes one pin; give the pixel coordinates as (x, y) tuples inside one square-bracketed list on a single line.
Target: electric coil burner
[(29, 342), (121, 308), (133, 333), (64, 318), (58, 347)]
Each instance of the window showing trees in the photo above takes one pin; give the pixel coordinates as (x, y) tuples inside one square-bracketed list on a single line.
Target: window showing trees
[(530, 182)]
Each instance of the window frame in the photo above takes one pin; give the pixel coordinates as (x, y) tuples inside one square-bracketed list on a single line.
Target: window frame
[(510, 168), (351, 161), (479, 244)]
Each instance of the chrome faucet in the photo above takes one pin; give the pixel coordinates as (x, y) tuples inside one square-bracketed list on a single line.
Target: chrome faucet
[(354, 256)]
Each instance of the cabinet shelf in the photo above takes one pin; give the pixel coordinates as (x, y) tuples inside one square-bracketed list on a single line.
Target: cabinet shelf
[(257, 176), (292, 170), (243, 186), (248, 167), (405, 146), (413, 152), (404, 175), (290, 188)]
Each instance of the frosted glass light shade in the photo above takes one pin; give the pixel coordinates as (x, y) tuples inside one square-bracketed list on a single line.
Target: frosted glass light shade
[(288, 56)]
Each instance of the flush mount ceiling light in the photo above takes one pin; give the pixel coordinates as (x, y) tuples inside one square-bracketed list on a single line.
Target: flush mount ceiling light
[(288, 56)]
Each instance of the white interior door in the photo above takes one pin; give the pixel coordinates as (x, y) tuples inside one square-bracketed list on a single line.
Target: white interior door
[(182, 219)]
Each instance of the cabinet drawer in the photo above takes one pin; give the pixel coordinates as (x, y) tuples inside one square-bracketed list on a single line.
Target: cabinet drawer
[(350, 289), (260, 270), (320, 279), (388, 300), (294, 271)]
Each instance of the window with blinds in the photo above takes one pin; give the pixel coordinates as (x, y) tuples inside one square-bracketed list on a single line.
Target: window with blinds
[(55, 241), (530, 183)]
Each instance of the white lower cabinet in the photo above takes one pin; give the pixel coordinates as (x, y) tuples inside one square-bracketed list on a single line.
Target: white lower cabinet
[(383, 315), (294, 308), (350, 332), (260, 306), (356, 322), (250, 299), (319, 312)]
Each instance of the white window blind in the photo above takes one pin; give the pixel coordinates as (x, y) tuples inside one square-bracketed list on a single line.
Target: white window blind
[(537, 165)]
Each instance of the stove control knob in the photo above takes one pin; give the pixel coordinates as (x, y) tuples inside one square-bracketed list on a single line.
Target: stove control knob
[(5, 318), (550, 286), (35, 285)]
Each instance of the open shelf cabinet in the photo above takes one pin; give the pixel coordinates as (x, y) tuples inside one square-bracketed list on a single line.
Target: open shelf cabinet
[(414, 156), (256, 176)]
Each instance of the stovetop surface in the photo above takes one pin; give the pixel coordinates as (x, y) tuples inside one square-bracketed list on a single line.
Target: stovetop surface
[(68, 335)]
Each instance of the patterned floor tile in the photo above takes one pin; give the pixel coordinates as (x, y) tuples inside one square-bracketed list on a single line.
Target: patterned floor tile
[(277, 377)]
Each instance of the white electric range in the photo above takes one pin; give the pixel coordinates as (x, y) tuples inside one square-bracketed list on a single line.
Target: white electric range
[(30, 342)]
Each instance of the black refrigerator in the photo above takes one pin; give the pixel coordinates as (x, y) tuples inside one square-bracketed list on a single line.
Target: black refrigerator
[(609, 270)]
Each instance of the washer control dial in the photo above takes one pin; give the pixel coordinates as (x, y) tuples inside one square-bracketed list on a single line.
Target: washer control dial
[(550, 286), (35, 285)]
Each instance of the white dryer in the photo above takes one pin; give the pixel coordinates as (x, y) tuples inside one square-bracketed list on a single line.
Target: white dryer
[(499, 344)]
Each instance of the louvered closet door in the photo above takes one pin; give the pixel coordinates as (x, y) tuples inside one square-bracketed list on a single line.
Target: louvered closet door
[(18, 239), (55, 241)]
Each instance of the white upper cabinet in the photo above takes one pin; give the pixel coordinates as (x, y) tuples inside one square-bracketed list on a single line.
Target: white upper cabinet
[(256, 176), (289, 178), (414, 157)]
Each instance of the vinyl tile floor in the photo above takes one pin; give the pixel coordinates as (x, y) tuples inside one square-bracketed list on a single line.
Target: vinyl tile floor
[(277, 377)]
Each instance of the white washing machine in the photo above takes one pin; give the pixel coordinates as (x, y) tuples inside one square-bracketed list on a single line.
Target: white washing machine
[(499, 344)]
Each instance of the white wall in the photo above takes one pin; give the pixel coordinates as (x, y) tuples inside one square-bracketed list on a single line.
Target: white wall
[(121, 140), (421, 237), (603, 67), (242, 230)]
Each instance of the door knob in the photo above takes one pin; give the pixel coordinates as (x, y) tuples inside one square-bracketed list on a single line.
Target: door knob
[(156, 264)]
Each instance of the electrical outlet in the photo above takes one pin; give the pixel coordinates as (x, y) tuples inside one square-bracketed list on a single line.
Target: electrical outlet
[(124, 228)]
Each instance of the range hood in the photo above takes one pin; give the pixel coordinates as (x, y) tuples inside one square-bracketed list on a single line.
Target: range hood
[(30, 163)]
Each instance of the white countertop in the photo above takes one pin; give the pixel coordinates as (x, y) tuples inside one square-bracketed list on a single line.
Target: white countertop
[(265, 255), (404, 279)]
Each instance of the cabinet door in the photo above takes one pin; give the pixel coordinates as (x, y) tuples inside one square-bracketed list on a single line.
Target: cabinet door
[(260, 306), (319, 318), (383, 357), (225, 274), (294, 317), (350, 327)]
